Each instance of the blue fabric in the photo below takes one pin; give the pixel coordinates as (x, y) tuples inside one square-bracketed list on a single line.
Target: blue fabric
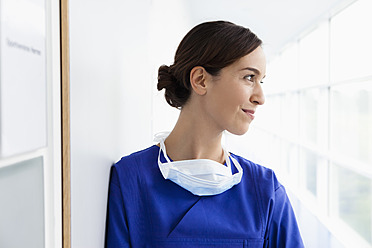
[(145, 210)]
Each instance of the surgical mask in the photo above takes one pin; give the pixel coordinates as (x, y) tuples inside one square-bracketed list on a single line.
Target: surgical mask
[(202, 177)]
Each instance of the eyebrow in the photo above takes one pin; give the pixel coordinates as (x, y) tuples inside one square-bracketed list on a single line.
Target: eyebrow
[(253, 69)]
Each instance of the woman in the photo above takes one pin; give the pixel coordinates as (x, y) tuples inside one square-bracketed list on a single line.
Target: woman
[(188, 191)]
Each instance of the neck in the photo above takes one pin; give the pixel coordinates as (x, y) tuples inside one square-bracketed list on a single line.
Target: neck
[(194, 137)]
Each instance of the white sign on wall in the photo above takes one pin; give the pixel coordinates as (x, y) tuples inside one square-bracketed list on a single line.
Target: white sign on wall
[(23, 107)]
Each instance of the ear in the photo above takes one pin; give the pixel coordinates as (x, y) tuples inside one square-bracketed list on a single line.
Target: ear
[(198, 76)]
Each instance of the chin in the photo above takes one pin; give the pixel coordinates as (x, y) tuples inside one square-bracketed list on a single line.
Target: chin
[(240, 131)]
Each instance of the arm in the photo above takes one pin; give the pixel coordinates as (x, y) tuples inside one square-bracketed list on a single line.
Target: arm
[(283, 229), (117, 235)]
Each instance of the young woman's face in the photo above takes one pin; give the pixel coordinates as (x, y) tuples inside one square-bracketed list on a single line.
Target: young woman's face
[(233, 96)]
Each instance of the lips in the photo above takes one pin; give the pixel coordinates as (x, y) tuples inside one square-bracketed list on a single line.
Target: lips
[(249, 112)]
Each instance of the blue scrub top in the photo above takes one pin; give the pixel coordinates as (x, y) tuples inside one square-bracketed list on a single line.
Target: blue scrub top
[(145, 210)]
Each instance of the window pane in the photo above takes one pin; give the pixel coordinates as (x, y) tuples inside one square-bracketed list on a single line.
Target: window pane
[(268, 116), (282, 71), (351, 120), (309, 163), (351, 39), (289, 161), (272, 81), (289, 118), (313, 117), (314, 57), (284, 156), (22, 204), (289, 68), (353, 200), (273, 148)]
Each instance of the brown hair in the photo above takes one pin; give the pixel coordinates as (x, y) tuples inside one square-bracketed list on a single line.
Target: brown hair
[(212, 45)]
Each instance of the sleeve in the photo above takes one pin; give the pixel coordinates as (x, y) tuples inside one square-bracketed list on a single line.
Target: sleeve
[(283, 229), (117, 235)]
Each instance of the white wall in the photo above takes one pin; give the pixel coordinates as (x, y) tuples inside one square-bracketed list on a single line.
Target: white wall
[(110, 103), (165, 35), (115, 49)]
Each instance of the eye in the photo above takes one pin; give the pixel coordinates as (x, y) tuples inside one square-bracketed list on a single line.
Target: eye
[(249, 77)]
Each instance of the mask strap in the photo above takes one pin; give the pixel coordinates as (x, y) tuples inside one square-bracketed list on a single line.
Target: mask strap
[(237, 165), (227, 157), (162, 148), (160, 137)]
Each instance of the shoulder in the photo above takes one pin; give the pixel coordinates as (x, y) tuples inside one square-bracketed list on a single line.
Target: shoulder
[(264, 178), (138, 156), (130, 164)]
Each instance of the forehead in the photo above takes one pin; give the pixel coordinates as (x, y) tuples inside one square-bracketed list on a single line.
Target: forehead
[(255, 59)]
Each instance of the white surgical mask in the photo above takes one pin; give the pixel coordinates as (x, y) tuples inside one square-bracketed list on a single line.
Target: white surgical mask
[(201, 177)]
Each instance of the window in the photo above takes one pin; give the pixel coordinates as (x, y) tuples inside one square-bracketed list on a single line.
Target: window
[(313, 117), (351, 120), (313, 57), (350, 42), (309, 163), (317, 122), (352, 200)]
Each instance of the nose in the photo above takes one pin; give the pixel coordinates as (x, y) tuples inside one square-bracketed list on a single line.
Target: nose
[(257, 96)]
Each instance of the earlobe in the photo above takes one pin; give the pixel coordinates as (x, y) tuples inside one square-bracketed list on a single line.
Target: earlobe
[(197, 80)]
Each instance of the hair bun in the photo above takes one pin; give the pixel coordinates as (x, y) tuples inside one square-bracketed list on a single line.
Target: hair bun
[(165, 78), (175, 93)]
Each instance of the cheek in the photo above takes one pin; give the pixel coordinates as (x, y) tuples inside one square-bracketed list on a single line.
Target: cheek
[(228, 99), (237, 96)]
